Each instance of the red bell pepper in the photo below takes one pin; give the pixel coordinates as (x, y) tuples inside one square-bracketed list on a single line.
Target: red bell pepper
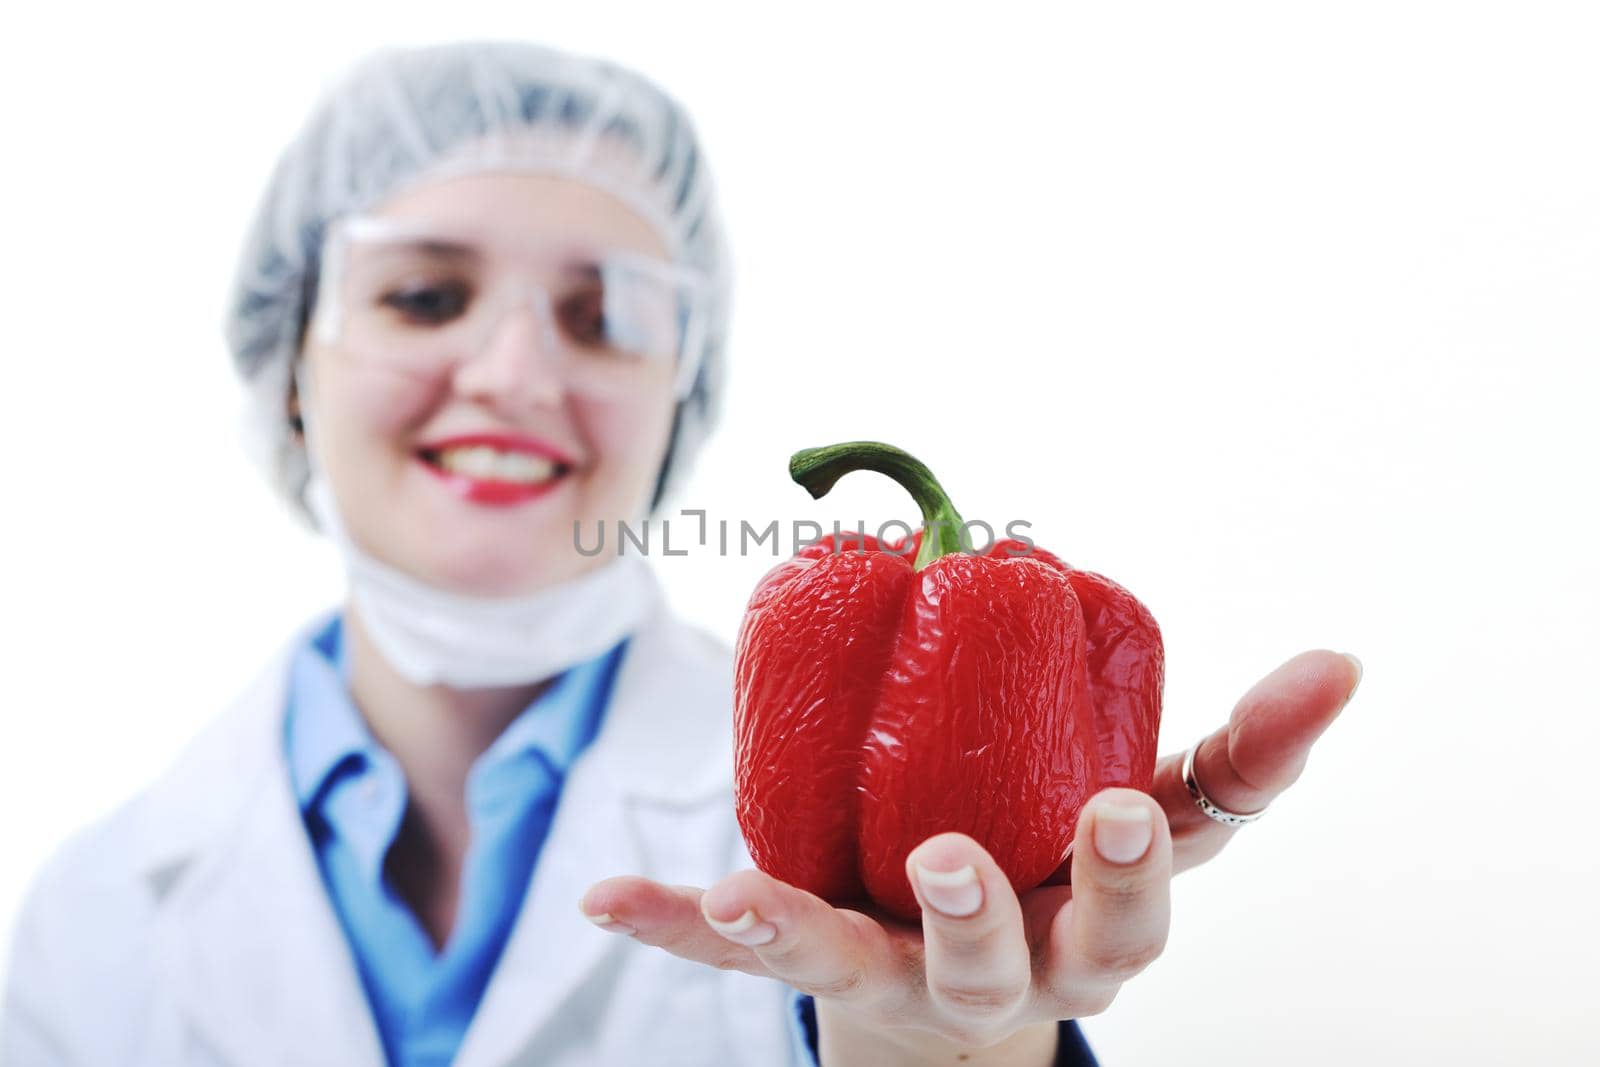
[(880, 700)]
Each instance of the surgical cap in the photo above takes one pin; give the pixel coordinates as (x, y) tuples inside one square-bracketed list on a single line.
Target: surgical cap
[(402, 117)]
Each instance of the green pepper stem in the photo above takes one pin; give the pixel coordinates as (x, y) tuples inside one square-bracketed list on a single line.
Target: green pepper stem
[(817, 469)]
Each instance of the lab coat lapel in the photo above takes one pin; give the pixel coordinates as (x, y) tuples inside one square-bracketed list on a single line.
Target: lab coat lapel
[(552, 947), (260, 965), (659, 745)]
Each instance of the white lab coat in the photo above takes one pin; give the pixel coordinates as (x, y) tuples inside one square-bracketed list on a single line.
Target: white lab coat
[(191, 926)]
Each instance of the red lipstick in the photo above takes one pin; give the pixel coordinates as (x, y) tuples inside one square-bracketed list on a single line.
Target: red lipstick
[(489, 490)]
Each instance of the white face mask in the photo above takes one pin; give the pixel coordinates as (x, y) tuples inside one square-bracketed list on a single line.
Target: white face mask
[(435, 636)]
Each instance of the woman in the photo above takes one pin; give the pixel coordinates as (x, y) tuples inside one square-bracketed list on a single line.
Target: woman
[(484, 300)]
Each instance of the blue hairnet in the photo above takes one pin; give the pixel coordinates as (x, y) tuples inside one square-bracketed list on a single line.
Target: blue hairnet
[(406, 116)]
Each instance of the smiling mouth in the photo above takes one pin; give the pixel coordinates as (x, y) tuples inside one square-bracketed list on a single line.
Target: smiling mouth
[(485, 463)]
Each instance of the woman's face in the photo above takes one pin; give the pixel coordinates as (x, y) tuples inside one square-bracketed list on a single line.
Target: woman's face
[(562, 452)]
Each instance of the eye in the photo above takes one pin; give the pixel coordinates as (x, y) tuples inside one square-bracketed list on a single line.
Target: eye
[(430, 303), (583, 317)]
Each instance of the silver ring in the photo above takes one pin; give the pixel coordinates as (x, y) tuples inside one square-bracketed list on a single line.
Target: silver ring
[(1206, 804)]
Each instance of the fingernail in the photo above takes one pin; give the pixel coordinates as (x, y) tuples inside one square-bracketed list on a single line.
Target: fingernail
[(956, 893), (605, 922), (1353, 688), (747, 929), (1122, 832)]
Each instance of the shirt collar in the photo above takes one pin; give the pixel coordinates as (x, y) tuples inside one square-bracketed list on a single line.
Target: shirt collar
[(325, 731)]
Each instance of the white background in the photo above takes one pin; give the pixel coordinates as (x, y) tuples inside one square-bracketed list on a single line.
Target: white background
[(1283, 315)]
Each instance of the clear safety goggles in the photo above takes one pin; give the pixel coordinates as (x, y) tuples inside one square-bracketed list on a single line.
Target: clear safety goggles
[(418, 297)]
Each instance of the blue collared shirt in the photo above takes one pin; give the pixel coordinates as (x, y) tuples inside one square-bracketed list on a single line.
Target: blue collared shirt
[(352, 796)]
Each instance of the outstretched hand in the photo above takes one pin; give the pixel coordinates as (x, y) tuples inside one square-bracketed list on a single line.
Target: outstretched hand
[(987, 968)]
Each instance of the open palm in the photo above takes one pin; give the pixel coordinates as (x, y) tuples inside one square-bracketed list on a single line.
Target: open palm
[(986, 964)]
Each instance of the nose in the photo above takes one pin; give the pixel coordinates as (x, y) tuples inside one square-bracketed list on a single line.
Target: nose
[(518, 363)]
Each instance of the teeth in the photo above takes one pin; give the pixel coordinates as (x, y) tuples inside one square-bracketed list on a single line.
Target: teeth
[(481, 461)]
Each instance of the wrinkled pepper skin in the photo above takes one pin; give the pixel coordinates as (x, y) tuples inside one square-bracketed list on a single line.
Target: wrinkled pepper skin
[(878, 704)]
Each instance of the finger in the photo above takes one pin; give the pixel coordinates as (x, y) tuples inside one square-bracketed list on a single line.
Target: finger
[(1120, 912), (977, 960), (667, 917), (1259, 753), (805, 941)]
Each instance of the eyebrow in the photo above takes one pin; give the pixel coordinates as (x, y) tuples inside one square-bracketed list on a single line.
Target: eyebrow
[(435, 247), (570, 257)]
